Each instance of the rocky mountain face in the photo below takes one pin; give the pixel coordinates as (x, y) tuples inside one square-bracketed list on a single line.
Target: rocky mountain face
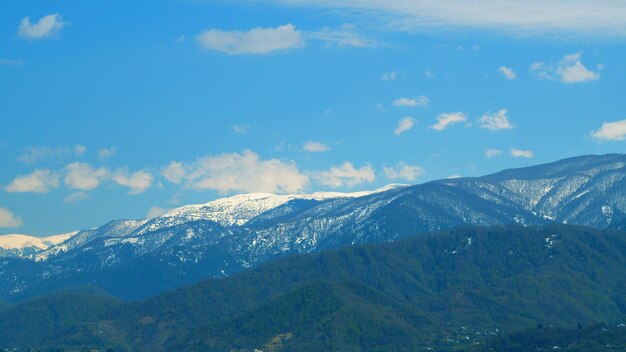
[(137, 258)]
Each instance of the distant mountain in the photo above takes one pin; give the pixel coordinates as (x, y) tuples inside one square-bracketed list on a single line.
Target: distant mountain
[(231, 234), (25, 246), (448, 291)]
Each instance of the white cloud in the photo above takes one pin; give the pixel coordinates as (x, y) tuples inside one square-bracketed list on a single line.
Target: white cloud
[(47, 27), (429, 74), (39, 181), (138, 181), (79, 149), (106, 153), (569, 69), (390, 76), (84, 177), (403, 171), (492, 153), (174, 172), (316, 147), (180, 38), (611, 131), (255, 41), (496, 121), (507, 72), (558, 18), (572, 70), (37, 154), (8, 219), (419, 101), (447, 119), (345, 36), (519, 153), (454, 176), (155, 211), (12, 62), (238, 172), (240, 129), (404, 125), (76, 197), (345, 175)]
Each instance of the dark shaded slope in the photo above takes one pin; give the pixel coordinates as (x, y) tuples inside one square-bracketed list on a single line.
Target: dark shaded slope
[(421, 290), (596, 338), (38, 321)]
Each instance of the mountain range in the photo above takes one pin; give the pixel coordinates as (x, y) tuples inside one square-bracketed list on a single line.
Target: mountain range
[(135, 259)]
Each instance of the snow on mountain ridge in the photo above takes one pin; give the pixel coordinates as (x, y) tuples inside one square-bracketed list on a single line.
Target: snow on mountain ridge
[(239, 209), (17, 241)]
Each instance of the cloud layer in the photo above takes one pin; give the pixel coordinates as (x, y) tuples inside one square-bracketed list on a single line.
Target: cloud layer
[(530, 17)]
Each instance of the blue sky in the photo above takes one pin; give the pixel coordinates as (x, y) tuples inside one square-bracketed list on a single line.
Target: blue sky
[(117, 109)]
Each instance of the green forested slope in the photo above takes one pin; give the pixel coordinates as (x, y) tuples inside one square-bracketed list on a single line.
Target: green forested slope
[(427, 291)]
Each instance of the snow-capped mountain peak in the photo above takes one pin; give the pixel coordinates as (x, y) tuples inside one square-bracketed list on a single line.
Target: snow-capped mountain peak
[(25, 245), (239, 209), (17, 241)]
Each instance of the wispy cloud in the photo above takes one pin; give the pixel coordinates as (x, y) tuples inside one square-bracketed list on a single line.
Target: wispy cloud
[(345, 36), (404, 101), (254, 41), (558, 18), (403, 171), (313, 146), (496, 121), (12, 62), (507, 72), (38, 181), (47, 27), (404, 125), (492, 153), (76, 197), (611, 131), (155, 211), (447, 119), (8, 219), (37, 154), (345, 175), (569, 69), (240, 129), (390, 76), (520, 153), (106, 153)]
